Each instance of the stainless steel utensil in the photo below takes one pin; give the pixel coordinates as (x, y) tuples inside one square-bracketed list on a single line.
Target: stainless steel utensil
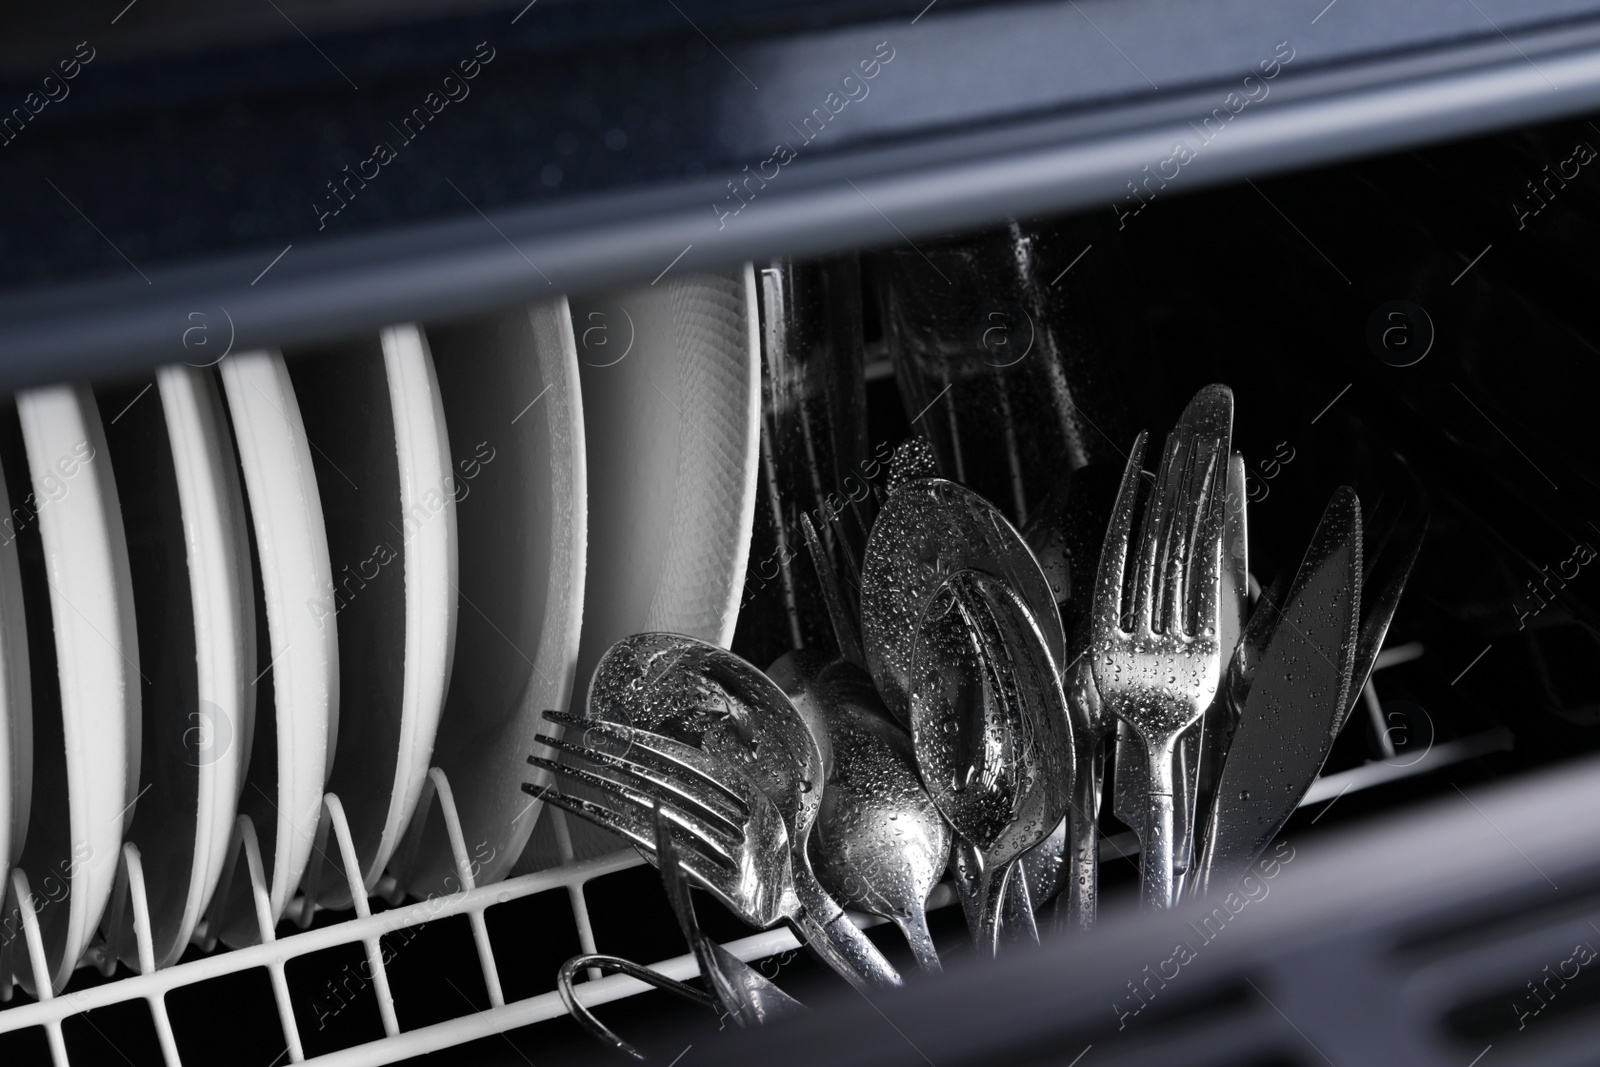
[(736, 989), (744, 994), (991, 732), (1296, 701), (1204, 744), (1206, 738), (845, 633), (929, 529), (1387, 569), (880, 844), (705, 696), (1065, 534), (734, 836), (1160, 671), (598, 960)]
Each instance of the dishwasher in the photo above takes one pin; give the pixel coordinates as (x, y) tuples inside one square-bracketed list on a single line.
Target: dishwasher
[(382, 378)]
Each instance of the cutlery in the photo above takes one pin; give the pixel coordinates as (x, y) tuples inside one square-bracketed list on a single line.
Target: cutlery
[(705, 696), (745, 994), (1065, 534), (1130, 779), (735, 838), (992, 737), (1203, 746), (845, 633), (1160, 672), (736, 989), (1297, 699), (879, 844), (929, 529), (600, 961), (1386, 572)]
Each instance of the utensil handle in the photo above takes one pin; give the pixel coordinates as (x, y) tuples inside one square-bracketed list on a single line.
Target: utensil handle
[(1017, 920), (983, 895), (1157, 859), (915, 927), (843, 946), (1076, 907)]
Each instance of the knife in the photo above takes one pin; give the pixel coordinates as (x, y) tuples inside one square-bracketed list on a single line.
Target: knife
[(1296, 701), (1202, 748), (1379, 607)]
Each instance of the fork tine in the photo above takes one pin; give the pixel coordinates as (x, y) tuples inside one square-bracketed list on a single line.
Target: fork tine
[(695, 765), (1156, 532), (634, 823), (1202, 601), (643, 800), (702, 867), (1177, 499), (658, 782), (1110, 579), (1178, 544)]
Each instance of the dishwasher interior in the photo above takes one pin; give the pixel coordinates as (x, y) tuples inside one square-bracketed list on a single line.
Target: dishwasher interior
[(1416, 324)]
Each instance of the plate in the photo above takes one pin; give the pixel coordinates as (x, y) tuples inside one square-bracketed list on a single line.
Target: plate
[(194, 599), (16, 700), (297, 688), (671, 400), (372, 410), (90, 595), (511, 400)]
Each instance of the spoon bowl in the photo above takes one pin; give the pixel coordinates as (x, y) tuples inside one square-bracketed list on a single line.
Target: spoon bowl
[(880, 844), (991, 734)]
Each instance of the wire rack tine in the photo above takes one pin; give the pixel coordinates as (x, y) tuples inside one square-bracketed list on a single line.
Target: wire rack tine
[(311, 880), (358, 895), (575, 897), (130, 879), (34, 939), (437, 787), (244, 841)]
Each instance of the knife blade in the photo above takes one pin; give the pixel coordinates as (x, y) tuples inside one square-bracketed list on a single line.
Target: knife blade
[(1379, 607), (1296, 701)]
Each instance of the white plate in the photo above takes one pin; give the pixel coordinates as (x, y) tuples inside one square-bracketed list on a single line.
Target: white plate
[(373, 411), (672, 425), (284, 800), (16, 700), (190, 539), (97, 657), (428, 491), (510, 390)]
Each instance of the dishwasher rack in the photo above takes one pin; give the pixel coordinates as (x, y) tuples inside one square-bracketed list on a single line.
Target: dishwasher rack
[(366, 928)]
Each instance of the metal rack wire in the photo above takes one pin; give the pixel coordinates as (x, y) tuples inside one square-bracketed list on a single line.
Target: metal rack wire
[(366, 928)]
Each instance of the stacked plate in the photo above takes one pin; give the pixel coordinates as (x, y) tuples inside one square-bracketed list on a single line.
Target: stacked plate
[(243, 604)]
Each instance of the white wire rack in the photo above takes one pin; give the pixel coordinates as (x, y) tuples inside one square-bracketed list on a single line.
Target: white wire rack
[(366, 929)]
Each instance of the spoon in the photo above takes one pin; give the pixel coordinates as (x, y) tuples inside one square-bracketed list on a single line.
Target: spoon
[(880, 844), (991, 734), (705, 696), (928, 529)]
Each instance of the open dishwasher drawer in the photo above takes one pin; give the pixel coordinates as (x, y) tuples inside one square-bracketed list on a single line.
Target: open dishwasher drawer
[(332, 468)]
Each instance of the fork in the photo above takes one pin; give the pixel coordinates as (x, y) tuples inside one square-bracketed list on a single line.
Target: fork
[(1160, 673), (732, 835)]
